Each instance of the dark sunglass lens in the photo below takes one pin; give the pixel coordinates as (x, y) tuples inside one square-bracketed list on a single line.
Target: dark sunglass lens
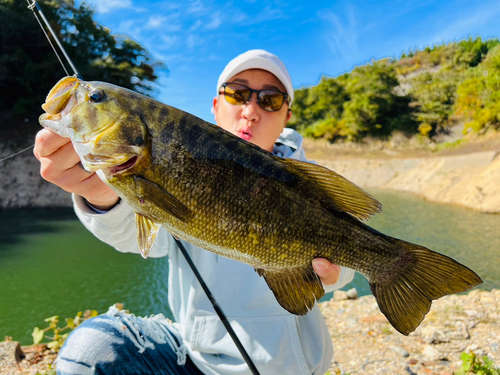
[(236, 94), (271, 100)]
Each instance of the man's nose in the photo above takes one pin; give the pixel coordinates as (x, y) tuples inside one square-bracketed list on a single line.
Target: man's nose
[(250, 108)]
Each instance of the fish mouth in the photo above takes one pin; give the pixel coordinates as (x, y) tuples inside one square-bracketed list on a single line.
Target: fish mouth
[(61, 99), (124, 166)]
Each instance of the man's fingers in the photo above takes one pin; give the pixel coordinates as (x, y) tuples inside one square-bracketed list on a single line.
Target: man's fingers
[(54, 166), (46, 143), (68, 178), (328, 273)]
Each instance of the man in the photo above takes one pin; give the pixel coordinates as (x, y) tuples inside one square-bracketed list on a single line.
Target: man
[(254, 94)]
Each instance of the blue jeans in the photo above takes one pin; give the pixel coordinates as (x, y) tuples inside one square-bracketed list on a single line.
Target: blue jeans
[(117, 343)]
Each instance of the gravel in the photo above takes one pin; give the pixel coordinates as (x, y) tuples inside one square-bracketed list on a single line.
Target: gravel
[(364, 341)]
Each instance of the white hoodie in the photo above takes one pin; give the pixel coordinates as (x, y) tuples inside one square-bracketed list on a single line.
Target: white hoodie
[(277, 341)]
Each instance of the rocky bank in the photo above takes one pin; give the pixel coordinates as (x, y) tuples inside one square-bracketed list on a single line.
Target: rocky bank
[(364, 342), (469, 178), (21, 185)]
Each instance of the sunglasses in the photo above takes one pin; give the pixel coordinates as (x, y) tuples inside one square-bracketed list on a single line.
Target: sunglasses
[(269, 100)]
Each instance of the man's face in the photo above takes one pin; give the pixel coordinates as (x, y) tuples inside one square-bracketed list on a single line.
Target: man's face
[(249, 121)]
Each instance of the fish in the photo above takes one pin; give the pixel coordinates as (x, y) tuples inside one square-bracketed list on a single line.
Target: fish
[(223, 194)]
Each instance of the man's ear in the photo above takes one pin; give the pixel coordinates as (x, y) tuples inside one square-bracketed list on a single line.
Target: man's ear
[(215, 107), (288, 115)]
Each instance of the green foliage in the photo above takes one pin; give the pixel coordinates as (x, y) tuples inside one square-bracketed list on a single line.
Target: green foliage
[(433, 98), (472, 364), (374, 108), (424, 92), (29, 67), (478, 96), (323, 101), (351, 106), (472, 51), (57, 338)]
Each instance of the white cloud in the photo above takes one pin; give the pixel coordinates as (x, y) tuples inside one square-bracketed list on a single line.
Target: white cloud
[(196, 25), (195, 6), (111, 5), (192, 41), (266, 14), (343, 34), (470, 20), (155, 22), (215, 22), (168, 41), (169, 23), (130, 27)]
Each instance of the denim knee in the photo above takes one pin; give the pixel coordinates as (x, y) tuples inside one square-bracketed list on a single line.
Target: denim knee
[(120, 343), (90, 344)]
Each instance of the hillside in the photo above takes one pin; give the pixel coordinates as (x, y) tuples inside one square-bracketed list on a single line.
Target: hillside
[(465, 173), (423, 94)]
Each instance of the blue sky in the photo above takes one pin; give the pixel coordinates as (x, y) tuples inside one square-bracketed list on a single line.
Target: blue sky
[(196, 39)]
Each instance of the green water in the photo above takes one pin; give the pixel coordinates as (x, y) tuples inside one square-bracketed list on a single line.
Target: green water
[(50, 265)]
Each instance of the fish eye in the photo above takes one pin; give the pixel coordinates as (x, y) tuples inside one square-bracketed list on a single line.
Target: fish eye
[(96, 96)]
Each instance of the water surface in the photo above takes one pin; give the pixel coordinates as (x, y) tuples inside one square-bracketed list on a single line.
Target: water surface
[(50, 265)]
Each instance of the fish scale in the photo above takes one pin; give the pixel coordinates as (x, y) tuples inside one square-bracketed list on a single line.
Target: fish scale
[(228, 196)]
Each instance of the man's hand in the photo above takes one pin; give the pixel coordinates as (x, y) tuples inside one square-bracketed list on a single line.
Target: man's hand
[(328, 273), (60, 165)]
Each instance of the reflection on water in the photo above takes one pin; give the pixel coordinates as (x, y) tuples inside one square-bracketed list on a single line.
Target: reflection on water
[(469, 237), (50, 265)]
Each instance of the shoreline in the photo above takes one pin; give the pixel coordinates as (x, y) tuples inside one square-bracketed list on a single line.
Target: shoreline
[(470, 180), (364, 341)]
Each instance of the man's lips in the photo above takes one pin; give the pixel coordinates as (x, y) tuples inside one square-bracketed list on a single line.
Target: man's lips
[(245, 134)]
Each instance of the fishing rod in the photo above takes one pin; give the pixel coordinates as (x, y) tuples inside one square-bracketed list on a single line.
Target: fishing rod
[(33, 5)]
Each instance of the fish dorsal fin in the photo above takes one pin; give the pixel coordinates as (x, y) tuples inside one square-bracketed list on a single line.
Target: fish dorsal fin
[(153, 193), (340, 194), (296, 290), (146, 233)]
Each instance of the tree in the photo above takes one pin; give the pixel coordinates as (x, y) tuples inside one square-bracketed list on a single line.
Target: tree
[(374, 108), (29, 67), (433, 99), (478, 96), (323, 101)]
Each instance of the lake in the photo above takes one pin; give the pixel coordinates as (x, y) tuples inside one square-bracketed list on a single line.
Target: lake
[(50, 265)]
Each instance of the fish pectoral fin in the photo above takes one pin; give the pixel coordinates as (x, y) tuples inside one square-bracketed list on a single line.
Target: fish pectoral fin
[(340, 194), (147, 230), (155, 194), (421, 276), (295, 290)]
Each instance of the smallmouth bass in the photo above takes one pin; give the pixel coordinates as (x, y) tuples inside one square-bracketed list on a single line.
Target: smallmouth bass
[(228, 196)]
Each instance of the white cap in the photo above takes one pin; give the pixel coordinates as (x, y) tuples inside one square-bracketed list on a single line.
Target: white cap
[(258, 59)]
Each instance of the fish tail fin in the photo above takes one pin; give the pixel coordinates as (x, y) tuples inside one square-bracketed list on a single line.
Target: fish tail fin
[(406, 298)]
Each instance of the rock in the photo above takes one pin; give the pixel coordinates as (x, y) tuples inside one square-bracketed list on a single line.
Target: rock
[(430, 353), (444, 179), (399, 350), (10, 354), (434, 336), (352, 293), (379, 318), (340, 295)]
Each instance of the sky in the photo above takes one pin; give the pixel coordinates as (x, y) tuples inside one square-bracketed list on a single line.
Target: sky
[(196, 39)]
